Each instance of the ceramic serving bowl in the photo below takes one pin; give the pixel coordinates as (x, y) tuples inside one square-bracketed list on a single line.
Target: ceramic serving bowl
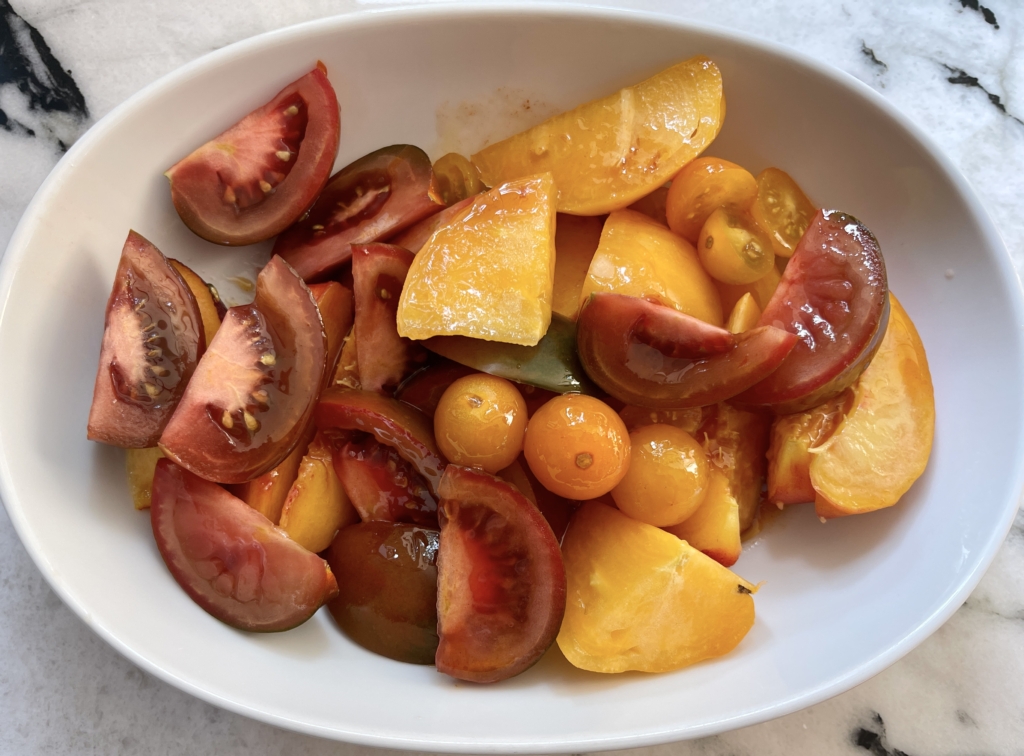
[(839, 602)]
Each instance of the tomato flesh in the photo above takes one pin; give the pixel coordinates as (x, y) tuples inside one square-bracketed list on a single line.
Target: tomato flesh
[(501, 582), (254, 180), (230, 559), (152, 338), (253, 393), (650, 355), (370, 200), (834, 297), (387, 576)]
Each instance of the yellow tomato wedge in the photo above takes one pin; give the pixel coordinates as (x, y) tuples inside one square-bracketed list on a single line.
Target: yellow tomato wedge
[(489, 274), (714, 529), (744, 316), (609, 153), (316, 507), (140, 464)]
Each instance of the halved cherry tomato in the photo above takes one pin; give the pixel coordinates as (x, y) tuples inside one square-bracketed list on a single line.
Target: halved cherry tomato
[(702, 187), (834, 296), (782, 210), (387, 574), (501, 582), (254, 180), (152, 339), (370, 200), (457, 178), (655, 356), (253, 392), (384, 357), (230, 559)]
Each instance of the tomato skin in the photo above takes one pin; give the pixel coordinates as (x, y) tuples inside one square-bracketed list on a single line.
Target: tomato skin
[(142, 373), (197, 181), (834, 295), (501, 581), (230, 559), (251, 397), (367, 201)]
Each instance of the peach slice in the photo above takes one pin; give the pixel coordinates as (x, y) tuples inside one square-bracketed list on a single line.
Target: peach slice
[(140, 464), (744, 315), (609, 153), (267, 493), (641, 258), (642, 599), (882, 445), (337, 311), (576, 240), (714, 529), (316, 507), (488, 274), (761, 290), (204, 298)]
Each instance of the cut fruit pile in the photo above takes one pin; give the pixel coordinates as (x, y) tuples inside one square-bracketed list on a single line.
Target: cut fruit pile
[(485, 405)]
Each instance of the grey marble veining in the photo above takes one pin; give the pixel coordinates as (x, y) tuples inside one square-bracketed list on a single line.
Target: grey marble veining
[(955, 67)]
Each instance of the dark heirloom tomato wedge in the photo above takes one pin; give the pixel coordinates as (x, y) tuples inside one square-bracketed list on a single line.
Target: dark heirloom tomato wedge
[(252, 394), (230, 559), (254, 180), (370, 200), (835, 297), (391, 422), (388, 579), (501, 581), (384, 357), (383, 486), (152, 339), (652, 355)]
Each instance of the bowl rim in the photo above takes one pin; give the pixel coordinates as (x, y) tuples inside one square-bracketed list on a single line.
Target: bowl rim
[(374, 17)]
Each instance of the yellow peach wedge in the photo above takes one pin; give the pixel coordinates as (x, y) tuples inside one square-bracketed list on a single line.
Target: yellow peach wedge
[(267, 493), (489, 274), (714, 529), (140, 465), (640, 598), (882, 445), (316, 507), (204, 298), (609, 153), (744, 316), (641, 258), (576, 240), (761, 290)]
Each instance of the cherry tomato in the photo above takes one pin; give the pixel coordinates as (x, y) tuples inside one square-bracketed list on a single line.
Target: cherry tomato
[(387, 580), (252, 394), (702, 187), (501, 582), (577, 446), (152, 338), (782, 210), (254, 180), (232, 561), (835, 297), (733, 249), (457, 178), (667, 477), (480, 422), (370, 200)]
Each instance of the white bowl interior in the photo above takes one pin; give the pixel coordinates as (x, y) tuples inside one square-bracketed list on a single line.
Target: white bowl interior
[(840, 601)]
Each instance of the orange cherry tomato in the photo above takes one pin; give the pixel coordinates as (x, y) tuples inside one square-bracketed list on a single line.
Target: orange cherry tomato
[(577, 447), (480, 422), (733, 249), (702, 187), (667, 477), (782, 210)]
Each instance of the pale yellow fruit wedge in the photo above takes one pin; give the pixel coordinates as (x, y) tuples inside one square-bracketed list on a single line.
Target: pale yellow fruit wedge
[(316, 507), (610, 152), (140, 465), (714, 529), (576, 240), (642, 599), (744, 315), (489, 274)]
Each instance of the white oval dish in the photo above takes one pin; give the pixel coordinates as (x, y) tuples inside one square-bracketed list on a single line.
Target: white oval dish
[(840, 601)]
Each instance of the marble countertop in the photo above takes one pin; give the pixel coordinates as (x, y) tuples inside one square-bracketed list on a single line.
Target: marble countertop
[(956, 67)]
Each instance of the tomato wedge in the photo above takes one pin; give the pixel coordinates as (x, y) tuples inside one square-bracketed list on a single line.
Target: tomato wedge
[(834, 296), (152, 338), (254, 180), (252, 394), (651, 355), (370, 200), (230, 559), (501, 581)]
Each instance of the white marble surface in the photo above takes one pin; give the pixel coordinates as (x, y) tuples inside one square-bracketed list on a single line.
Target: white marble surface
[(63, 690)]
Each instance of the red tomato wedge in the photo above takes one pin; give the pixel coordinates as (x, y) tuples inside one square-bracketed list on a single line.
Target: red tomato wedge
[(230, 559), (253, 392), (384, 357), (651, 355), (834, 296), (254, 180), (500, 579), (152, 338), (391, 422), (373, 198)]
